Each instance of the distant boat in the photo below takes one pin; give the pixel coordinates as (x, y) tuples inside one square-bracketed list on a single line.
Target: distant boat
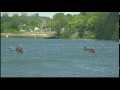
[(89, 50)]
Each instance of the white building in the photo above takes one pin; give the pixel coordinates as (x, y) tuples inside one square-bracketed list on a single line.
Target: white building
[(36, 29)]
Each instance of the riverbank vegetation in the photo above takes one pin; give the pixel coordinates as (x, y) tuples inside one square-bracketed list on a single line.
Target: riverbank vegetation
[(86, 25)]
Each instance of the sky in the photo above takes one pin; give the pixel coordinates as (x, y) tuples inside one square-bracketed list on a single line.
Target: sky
[(48, 14)]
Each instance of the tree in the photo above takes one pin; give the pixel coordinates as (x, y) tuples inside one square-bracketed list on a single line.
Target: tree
[(106, 25), (14, 23), (91, 23), (5, 18), (5, 26), (115, 35), (59, 22)]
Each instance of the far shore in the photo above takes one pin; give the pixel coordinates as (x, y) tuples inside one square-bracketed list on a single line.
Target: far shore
[(35, 35), (29, 35)]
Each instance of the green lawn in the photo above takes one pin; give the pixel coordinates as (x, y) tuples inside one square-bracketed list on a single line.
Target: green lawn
[(27, 33), (49, 33)]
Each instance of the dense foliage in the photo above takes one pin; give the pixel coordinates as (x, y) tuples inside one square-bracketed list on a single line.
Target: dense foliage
[(86, 25), (90, 25), (17, 23)]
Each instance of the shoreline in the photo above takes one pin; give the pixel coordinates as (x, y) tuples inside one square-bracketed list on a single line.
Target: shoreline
[(37, 35), (7, 35)]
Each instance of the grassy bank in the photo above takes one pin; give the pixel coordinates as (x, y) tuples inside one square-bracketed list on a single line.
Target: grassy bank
[(29, 34)]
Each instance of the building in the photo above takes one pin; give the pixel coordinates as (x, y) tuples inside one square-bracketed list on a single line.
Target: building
[(44, 17), (36, 29), (5, 14), (36, 14), (15, 15), (24, 14), (68, 14)]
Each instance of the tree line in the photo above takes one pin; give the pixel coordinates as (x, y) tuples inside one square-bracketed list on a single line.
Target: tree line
[(85, 25), (16, 23), (96, 25)]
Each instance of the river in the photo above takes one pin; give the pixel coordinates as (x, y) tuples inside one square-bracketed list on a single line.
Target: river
[(59, 58)]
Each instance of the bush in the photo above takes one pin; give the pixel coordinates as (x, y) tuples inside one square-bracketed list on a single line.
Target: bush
[(29, 27), (115, 35), (12, 31), (89, 35)]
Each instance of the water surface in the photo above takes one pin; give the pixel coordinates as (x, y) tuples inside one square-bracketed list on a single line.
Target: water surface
[(59, 58)]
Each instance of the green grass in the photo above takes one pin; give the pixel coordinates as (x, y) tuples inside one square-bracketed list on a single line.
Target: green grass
[(27, 33), (49, 33)]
